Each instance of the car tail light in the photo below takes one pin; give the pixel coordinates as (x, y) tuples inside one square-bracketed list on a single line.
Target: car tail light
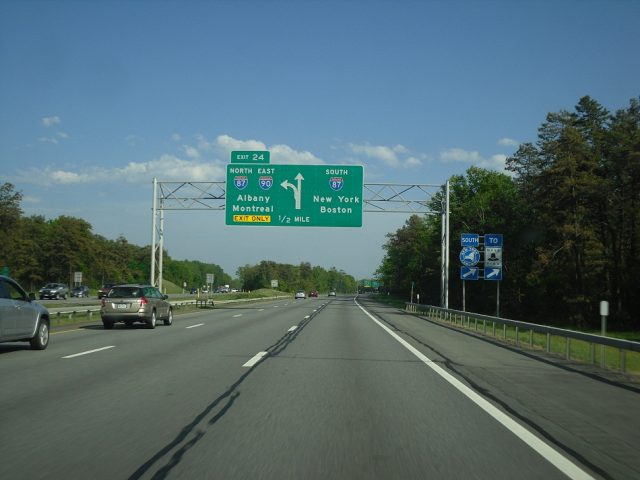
[(143, 301), (103, 302)]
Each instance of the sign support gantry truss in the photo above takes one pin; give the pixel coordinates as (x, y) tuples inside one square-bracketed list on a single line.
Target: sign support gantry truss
[(378, 197)]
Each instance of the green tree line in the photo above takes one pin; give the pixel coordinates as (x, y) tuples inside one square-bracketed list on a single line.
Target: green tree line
[(569, 212), (36, 251), (295, 277)]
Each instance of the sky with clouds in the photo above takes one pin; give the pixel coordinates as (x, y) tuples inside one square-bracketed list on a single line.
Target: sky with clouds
[(98, 98)]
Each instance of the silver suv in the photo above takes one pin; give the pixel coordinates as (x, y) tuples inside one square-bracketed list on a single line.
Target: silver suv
[(135, 303), (21, 318), (54, 290)]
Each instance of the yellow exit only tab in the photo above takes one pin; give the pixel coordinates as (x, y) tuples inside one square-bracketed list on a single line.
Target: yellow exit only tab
[(252, 218)]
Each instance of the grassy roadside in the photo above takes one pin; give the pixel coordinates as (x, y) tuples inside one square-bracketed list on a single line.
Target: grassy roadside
[(570, 349)]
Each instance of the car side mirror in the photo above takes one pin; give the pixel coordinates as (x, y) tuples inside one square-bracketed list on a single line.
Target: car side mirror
[(165, 296), (32, 296)]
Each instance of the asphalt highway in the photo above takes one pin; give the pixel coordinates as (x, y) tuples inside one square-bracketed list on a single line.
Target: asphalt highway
[(338, 388)]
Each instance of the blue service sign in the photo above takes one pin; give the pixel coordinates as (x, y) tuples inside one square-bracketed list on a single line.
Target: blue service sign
[(493, 240), (469, 273), (469, 256), (469, 240), (493, 273)]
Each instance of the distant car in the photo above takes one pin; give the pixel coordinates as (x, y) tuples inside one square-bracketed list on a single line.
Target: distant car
[(54, 290), (300, 294), (21, 318), (103, 291), (313, 293), (81, 291), (332, 293), (135, 303), (193, 290)]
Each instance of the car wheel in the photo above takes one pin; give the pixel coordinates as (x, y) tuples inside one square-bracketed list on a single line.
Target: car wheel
[(152, 321), (64, 296), (41, 339), (169, 320), (41, 297), (108, 325)]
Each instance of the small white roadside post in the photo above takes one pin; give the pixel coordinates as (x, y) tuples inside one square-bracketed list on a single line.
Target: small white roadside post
[(604, 313)]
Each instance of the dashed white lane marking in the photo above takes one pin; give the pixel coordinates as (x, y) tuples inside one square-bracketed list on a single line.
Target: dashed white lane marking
[(292, 328), (276, 306), (256, 358), (90, 351), (307, 316), (261, 310), (237, 315), (549, 453), (196, 325)]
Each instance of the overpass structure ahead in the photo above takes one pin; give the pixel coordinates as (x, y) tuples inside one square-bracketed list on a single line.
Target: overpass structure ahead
[(404, 198)]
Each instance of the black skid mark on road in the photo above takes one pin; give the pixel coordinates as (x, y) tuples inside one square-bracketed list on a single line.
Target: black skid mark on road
[(230, 395), (451, 365)]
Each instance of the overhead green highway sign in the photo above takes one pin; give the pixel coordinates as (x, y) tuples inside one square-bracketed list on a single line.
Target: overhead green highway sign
[(250, 156), (294, 195)]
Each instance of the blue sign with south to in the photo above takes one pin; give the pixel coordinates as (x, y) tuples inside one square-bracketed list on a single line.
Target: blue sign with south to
[(469, 256), (469, 240), (493, 240)]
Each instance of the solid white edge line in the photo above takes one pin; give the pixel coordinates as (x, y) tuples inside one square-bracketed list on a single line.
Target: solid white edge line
[(549, 453), (194, 326), (256, 358), (292, 328), (89, 351)]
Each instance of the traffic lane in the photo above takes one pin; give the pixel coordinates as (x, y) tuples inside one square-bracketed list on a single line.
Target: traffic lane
[(591, 419), (345, 400), (101, 407), (18, 358)]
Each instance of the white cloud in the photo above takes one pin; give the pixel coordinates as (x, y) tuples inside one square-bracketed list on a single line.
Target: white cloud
[(191, 152), (495, 162), (508, 142), (412, 162), (389, 156), (176, 137), (460, 155), (167, 167), (228, 144), (50, 121), (48, 140), (62, 135), (286, 154)]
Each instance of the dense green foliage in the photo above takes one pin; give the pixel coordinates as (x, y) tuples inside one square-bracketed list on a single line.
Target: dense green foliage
[(292, 277), (37, 251), (570, 219)]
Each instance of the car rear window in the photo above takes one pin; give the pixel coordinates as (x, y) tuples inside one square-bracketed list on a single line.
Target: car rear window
[(125, 292)]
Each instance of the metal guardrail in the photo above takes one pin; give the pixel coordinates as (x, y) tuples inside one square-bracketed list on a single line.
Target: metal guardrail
[(89, 311), (465, 319)]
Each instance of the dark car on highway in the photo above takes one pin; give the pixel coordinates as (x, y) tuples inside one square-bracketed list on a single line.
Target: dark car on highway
[(80, 291), (135, 303), (103, 291), (21, 318)]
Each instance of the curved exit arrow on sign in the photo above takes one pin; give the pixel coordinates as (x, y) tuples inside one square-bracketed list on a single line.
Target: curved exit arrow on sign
[(297, 191)]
